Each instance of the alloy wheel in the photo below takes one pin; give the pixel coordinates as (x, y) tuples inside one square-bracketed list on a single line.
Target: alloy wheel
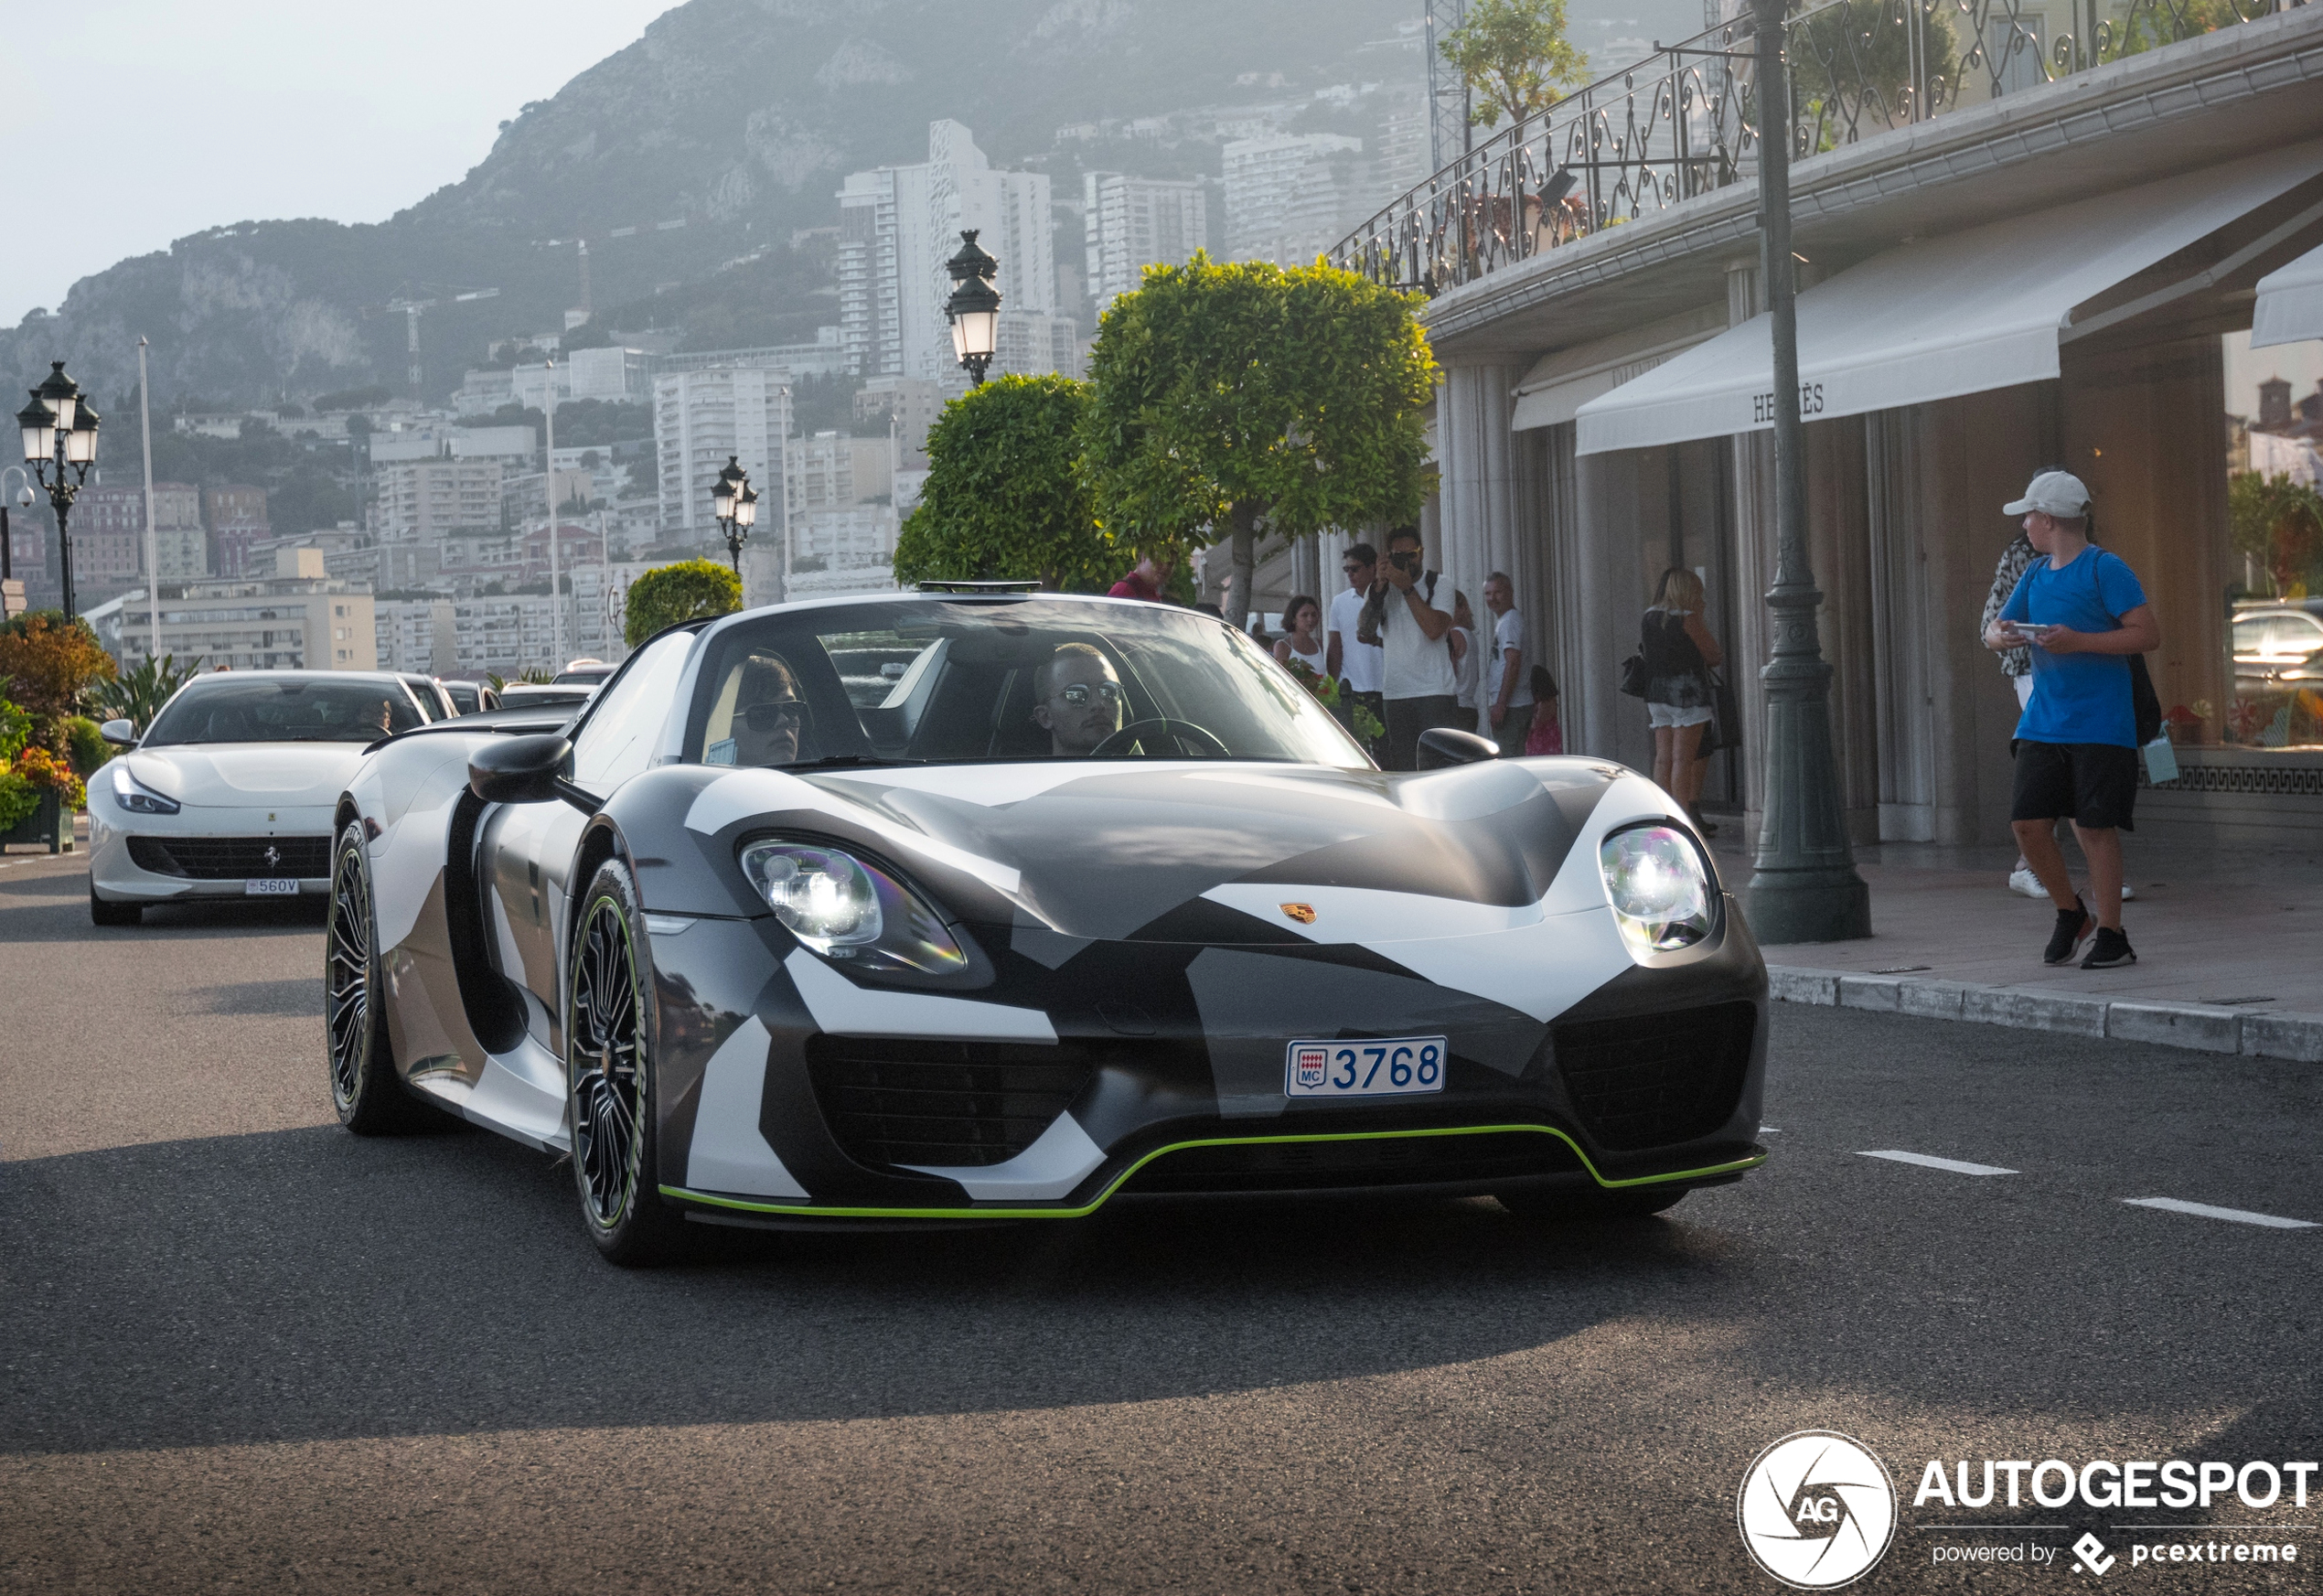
[(605, 1066), (348, 983)]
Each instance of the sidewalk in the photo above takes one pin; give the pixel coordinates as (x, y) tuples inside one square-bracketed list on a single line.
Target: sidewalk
[(2230, 948)]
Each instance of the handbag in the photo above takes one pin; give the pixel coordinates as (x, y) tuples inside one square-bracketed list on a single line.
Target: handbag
[(1725, 730), (1633, 677)]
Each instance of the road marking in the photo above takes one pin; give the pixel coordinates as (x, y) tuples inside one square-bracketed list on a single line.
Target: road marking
[(1954, 1165), (2203, 1210)]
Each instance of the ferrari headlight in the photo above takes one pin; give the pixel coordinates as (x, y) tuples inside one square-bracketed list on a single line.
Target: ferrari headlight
[(1660, 892), (137, 798), (843, 908)]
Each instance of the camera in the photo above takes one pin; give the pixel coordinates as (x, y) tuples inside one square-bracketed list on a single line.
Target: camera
[(1406, 560)]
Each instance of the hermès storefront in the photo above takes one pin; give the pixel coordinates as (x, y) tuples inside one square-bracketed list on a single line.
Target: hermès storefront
[(2026, 233)]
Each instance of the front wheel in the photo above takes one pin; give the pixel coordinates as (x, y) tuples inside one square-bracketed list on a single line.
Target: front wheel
[(370, 1100), (612, 1098), (101, 912), (1590, 1207)]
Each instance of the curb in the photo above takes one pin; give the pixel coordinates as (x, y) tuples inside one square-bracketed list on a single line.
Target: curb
[(2204, 1027)]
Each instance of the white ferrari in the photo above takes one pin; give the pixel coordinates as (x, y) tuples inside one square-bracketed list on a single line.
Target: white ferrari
[(230, 792)]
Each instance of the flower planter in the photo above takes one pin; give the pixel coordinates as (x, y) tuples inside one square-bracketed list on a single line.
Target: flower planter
[(51, 823)]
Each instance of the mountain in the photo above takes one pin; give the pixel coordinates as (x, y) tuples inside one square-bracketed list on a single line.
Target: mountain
[(688, 160)]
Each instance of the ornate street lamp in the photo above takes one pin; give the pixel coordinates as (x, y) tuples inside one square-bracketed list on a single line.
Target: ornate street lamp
[(1805, 887), (735, 504), (974, 308), (60, 431)]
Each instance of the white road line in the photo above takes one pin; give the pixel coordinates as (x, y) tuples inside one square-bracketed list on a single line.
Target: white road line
[(2203, 1210), (1954, 1165)]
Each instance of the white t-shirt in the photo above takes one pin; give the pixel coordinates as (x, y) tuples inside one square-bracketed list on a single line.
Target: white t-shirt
[(1361, 665), (1508, 632), (1415, 666), (1464, 679), (1315, 662)]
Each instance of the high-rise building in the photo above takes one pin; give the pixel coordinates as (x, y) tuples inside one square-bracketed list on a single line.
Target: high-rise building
[(296, 619), (1289, 194), (415, 635), (109, 534), (898, 225), (910, 406), (835, 471), (236, 518), (702, 418), (1131, 223)]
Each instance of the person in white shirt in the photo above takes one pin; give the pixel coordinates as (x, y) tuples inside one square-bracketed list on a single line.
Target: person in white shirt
[(1302, 622), (1507, 684), (1357, 664), (1463, 648), (1417, 679)]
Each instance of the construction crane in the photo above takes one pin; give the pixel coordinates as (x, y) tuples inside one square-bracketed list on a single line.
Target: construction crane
[(1449, 101), (410, 306)]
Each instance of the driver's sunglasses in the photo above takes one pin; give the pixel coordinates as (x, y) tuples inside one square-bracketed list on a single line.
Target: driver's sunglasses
[(1352, 570), (774, 714), (1078, 694)]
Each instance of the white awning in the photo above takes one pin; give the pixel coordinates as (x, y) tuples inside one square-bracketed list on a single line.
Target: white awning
[(1559, 384), (2290, 303), (1964, 314)]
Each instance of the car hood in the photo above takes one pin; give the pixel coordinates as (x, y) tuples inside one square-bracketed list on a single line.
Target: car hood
[(275, 775), (1213, 852)]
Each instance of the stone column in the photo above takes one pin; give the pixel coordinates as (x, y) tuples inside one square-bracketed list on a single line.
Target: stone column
[(1489, 494)]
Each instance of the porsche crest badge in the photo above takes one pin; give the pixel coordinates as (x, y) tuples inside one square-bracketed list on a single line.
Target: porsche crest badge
[(1302, 913)]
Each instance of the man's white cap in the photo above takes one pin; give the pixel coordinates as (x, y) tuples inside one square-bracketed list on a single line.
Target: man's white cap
[(2057, 493)]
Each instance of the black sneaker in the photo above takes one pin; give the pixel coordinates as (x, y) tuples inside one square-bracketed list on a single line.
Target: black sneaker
[(2072, 925), (2110, 951)]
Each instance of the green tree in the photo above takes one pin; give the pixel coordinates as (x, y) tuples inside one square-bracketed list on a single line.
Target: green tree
[(1230, 395), (686, 591), (136, 696), (2277, 522), (52, 661), (1006, 497), (1515, 57)]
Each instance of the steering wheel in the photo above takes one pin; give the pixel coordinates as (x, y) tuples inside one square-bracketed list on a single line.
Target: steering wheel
[(1185, 732)]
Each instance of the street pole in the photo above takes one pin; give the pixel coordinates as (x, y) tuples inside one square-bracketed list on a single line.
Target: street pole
[(1805, 887), (152, 545), (556, 599)]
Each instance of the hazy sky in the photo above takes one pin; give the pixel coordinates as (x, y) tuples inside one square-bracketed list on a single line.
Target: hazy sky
[(182, 116)]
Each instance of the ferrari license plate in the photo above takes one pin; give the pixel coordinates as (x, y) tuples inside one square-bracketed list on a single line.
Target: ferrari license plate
[(270, 886), (1389, 1067)]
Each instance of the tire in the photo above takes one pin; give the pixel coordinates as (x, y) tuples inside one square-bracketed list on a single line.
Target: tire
[(612, 1091), (101, 912), (371, 1100), (1590, 1207)]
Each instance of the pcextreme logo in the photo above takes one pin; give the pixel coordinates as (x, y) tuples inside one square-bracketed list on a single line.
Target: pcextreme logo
[(1817, 1510)]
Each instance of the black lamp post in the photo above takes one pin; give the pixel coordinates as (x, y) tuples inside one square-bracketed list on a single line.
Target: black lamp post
[(735, 504), (60, 430), (974, 308), (1805, 887)]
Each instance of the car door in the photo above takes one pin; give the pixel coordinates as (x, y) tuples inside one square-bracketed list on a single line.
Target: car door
[(527, 854)]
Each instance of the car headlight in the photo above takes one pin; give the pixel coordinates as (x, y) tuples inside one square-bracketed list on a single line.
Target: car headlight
[(846, 909), (1661, 893), (137, 798)]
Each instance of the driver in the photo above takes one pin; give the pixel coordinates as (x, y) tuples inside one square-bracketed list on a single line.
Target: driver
[(770, 713), (1080, 699)]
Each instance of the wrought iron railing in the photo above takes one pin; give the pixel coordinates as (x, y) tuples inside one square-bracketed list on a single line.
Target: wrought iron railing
[(1685, 120)]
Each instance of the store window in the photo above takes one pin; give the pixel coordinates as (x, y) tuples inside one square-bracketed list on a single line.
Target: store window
[(2275, 508)]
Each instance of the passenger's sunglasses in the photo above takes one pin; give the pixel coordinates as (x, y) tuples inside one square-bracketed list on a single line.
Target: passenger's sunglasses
[(774, 714), (1078, 694)]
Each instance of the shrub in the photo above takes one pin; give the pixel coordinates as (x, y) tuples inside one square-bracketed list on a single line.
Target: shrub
[(51, 662), (686, 591), (86, 746)]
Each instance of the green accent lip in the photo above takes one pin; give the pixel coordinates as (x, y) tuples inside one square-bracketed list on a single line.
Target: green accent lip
[(812, 1211)]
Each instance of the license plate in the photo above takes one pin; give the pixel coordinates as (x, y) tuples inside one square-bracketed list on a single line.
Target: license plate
[(270, 886), (1395, 1067)]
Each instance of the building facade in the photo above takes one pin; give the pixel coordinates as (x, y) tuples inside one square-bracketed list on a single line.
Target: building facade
[(1289, 195), (1131, 223), (702, 419), (297, 619)]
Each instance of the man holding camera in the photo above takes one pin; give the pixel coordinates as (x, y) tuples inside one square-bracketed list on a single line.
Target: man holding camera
[(1415, 639)]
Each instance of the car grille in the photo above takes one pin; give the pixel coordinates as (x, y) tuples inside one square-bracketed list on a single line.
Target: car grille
[(1398, 1160), (1653, 1079), (231, 858), (948, 1104)]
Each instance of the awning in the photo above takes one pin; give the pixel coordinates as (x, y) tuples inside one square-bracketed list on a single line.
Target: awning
[(1559, 384), (2290, 303), (1964, 314)]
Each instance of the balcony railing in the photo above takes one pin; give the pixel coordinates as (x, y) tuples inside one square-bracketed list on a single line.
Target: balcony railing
[(1686, 121)]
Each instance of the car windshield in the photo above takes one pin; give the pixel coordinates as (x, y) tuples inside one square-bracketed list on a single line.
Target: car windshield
[(220, 709), (941, 682)]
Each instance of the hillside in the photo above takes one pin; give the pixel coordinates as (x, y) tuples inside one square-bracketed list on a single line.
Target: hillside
[(712, 139)]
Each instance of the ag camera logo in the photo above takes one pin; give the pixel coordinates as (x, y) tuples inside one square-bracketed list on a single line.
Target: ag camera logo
[(1817, 1510)]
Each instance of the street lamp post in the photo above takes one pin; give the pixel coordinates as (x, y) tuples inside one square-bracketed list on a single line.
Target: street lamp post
[(974, 308), (1805, 887), (735, 504), (60, 430)]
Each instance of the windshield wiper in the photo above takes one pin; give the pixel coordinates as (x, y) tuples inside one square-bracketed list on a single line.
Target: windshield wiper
[(840, 761)]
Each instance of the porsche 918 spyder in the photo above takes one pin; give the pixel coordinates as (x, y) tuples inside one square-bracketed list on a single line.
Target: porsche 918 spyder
[(998, 905)]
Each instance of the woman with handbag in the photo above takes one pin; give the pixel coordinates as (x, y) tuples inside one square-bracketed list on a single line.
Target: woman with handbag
[(1679, 653)]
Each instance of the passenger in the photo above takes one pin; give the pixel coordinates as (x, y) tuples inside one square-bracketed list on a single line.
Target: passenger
[(770, 717), (1080, 699)]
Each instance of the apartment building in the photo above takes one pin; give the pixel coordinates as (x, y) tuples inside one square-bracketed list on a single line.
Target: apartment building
[(297, 619), (1131, 223), (700, 420)]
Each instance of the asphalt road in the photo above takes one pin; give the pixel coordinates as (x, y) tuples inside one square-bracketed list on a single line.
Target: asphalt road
[(240, 1348)]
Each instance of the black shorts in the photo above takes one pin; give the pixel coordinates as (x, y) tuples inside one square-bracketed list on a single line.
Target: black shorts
[(2091, 784)]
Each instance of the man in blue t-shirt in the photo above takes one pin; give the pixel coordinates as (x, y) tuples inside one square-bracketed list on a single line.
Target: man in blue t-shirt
[(2084, 614)]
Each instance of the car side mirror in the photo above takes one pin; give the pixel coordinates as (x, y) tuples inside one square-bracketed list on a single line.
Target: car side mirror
[(120, 733), (518, 770), (1441, 746)]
